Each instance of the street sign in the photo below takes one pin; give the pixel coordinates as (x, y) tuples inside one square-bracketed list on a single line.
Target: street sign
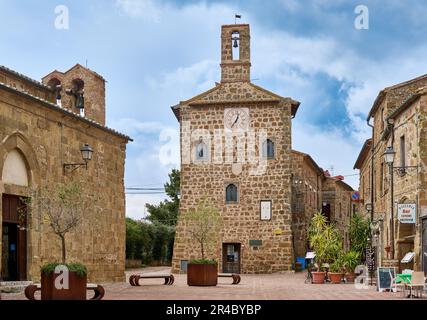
[(407, 212), (355, 196)]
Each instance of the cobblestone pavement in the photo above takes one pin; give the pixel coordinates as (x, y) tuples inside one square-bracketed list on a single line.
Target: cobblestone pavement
[(281, 286)]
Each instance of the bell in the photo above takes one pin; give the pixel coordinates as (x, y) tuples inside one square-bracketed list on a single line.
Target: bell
[(80, 103), (235, 45)]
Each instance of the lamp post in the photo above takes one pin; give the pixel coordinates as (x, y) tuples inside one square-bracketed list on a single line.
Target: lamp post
[(86, 151), (389, 159)]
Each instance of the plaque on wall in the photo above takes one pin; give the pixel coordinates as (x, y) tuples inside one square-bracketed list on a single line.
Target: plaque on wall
[(265, 209), (255, 243)]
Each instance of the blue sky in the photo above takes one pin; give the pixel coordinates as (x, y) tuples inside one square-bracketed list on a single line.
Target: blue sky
[(155, 53)]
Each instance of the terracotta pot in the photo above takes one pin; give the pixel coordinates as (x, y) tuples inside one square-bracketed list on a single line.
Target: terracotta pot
[(202, 274), (350, 276), (336, 277), (318, 277), (387, 249), (76, 290)]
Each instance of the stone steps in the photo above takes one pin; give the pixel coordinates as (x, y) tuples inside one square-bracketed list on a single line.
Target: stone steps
[(13, 286)]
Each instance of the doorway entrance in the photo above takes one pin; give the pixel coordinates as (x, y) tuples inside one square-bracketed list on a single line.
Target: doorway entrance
[(231, 257), (14, 239), (326, 211), (424, 234)]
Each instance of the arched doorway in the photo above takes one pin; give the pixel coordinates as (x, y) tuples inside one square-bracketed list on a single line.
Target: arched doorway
[(14, 219)]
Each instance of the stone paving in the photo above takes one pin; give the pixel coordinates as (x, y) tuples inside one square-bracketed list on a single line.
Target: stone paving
[(280, 286)]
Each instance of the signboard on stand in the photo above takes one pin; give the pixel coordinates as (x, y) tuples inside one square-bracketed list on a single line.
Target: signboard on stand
[(407, 212)]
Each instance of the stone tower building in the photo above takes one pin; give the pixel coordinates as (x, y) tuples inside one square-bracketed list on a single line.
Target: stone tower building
[(236, 152)]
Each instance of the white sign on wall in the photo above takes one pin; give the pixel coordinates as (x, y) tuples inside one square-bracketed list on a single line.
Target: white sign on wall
[(265, 209), (407, 212)]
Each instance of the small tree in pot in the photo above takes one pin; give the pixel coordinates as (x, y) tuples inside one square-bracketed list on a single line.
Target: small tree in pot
[(61, 207), (203, 224), (336, 270), (351, 261), (325, 240)]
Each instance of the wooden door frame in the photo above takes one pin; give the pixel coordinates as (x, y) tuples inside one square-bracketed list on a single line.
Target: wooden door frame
[(21, 241), (224, 254)]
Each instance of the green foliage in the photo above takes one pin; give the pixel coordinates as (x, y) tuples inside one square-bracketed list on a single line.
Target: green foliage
[(339, 264), (359, 233), (203, 224), (351, 260), (76, 267), (324, 239), (203, 261)]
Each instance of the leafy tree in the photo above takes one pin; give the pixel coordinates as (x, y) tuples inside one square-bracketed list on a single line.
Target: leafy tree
[(203, 224), (359, 233)]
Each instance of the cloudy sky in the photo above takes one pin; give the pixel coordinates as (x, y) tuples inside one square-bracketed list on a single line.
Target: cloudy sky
[(155, 53)]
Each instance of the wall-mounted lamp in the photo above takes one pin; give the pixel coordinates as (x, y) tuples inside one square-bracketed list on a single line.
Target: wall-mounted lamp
[(87, 152)]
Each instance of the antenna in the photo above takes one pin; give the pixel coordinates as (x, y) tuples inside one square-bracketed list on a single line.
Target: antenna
[(86, 63)]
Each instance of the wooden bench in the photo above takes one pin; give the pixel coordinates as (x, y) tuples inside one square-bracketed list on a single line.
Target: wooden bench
[(235, 276), (98, 290), (134, 279)]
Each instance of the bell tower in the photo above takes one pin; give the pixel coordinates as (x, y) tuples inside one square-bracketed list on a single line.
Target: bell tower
[(235, 53)]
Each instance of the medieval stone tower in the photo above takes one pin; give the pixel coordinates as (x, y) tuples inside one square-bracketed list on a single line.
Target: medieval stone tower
[(80, 90), (236, 152)]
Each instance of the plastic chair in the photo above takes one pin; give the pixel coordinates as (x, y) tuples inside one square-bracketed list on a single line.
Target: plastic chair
[(417, 283), (395, 284)]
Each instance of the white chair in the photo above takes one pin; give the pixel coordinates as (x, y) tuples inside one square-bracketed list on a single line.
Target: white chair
[(417, 283)]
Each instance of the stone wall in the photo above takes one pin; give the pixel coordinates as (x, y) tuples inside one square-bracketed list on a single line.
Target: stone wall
[(242, 220), (48, 137)]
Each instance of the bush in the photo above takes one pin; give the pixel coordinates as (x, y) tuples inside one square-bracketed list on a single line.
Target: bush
[(203, 261), (359, 233), (76, 267)]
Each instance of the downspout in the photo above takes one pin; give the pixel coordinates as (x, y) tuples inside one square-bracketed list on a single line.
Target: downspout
[(372, 169)]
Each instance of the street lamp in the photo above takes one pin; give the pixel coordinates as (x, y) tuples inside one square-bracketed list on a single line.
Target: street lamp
[(86, 151), (389, 159)]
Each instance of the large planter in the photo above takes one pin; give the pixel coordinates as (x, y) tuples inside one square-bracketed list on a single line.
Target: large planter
[(202, 274), (350, 276), (76, 291), (318, 277), (336, 277)]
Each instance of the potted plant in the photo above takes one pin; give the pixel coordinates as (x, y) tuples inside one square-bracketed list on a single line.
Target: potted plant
[(351, 261), (203, 223), (325, 240), (336, 270), (61, 207)]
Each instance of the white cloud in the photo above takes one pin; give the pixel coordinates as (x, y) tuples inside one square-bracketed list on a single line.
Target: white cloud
[(146, 9)]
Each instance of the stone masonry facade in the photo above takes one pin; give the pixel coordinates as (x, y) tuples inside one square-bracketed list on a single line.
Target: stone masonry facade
[(47, 136), (399, 118), (265, 246)]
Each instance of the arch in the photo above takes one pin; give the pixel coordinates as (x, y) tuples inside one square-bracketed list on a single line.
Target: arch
[(231, 193), (18, 141), (202, 152), (235, 45), (15, 169)]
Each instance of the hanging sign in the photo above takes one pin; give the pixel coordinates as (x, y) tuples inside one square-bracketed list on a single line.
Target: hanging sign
[(407, 212)]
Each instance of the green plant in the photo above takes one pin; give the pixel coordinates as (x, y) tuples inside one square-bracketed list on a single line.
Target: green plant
[(359, 233), (76, 267), (324, 239), (351, 260), (203, 261), (203, 224), (338, 265)]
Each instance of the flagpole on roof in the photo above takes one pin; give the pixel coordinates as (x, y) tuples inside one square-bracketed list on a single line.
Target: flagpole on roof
[(237, 16)]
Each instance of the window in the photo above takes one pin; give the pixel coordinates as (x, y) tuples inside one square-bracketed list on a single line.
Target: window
[(268, 149), (231, 193), (201, 151)]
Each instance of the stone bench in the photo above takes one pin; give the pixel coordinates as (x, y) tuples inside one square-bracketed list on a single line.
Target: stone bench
[(134, 279), (234, 276), (98, 290)]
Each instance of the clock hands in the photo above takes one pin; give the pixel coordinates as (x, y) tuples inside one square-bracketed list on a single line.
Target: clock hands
[(235, 121)]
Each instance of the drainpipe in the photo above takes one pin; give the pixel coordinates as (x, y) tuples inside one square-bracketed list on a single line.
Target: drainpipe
[(372, 169)]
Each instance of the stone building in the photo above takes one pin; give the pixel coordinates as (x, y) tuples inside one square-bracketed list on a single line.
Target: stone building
[(40, 131), (399, 120), (314, 190), (236, 152), (364, 165)]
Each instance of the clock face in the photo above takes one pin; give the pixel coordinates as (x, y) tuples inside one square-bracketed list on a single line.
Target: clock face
[(236, 118)]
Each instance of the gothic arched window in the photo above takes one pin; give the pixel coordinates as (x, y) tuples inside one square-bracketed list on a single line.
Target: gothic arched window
[(231, 193), (268, 149)]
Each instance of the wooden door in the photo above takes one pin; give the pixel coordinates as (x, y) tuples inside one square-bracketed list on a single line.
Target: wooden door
[(231, 257), (14, 243), (424, 248)]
